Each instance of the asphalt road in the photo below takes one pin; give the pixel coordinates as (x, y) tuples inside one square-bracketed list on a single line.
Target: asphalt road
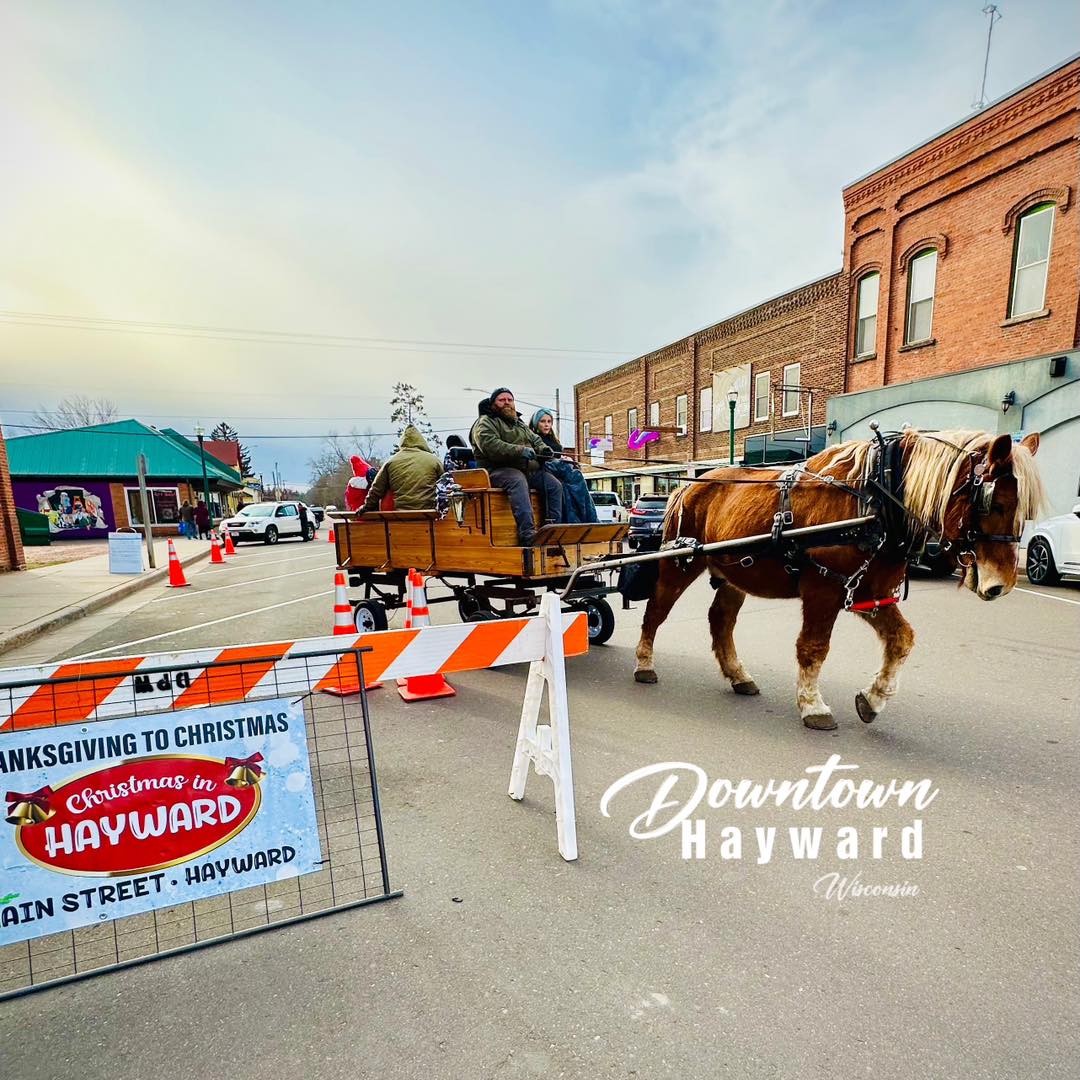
[(634, 961)]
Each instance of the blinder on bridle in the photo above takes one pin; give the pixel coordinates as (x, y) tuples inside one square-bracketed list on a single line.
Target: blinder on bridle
[(982, 502)]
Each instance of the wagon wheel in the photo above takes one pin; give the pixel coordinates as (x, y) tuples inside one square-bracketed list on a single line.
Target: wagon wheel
[(601, 619), (471, 605), (369, 616), (482, 616)]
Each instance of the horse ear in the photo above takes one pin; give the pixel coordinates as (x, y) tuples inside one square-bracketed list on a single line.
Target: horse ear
[(1000, 452), (1031, 442)]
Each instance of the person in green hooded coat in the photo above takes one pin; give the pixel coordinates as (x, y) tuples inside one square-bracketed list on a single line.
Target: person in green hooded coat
[(410, 474)]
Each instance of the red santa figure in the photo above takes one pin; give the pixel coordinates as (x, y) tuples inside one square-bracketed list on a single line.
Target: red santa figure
[(356, 489)]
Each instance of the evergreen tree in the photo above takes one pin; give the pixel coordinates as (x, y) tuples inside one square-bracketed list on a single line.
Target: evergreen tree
[(408, 408), (225, 433)]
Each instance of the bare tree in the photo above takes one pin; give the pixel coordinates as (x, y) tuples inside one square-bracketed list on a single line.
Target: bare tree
[(78, 410), (331, 468)]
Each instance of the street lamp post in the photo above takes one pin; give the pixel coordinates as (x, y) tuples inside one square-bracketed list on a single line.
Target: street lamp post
[(732, 399), (200, 431)]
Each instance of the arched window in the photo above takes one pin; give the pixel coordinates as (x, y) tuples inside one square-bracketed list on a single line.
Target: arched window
[(866, 314), (1031, 260), (922, 277)]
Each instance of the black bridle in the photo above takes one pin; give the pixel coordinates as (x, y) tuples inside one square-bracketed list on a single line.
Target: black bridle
[(889, 480)]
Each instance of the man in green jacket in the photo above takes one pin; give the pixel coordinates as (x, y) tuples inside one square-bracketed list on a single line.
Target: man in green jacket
[(410, 474), (514, 456)]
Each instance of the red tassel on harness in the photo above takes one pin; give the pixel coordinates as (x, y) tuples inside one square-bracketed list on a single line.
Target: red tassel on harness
[(873, 605)]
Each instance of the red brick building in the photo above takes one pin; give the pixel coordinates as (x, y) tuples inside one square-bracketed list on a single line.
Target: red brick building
[(966, 251), (795, 341), (11, 551), (961, 281)]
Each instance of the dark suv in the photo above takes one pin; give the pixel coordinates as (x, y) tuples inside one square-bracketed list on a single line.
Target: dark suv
[(647, 521)]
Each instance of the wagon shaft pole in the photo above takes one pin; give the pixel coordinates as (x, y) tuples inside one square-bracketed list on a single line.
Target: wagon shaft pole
[(685, 550)]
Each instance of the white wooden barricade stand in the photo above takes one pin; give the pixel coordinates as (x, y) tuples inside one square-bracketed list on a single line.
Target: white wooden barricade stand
[(547, 746)]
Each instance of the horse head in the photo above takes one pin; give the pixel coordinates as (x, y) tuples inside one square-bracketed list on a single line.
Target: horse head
[(995, 489)]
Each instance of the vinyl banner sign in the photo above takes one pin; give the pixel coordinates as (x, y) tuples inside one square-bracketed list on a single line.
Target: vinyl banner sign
[(118, 817)]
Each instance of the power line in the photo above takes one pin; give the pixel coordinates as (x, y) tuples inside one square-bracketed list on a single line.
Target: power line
[(89, 322), (41, 429)]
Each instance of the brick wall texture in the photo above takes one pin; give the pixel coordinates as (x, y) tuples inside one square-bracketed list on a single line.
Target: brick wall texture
[(961, 194), (11, 551)]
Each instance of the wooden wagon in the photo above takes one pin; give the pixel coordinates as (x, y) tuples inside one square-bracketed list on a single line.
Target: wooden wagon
[(474, 551)]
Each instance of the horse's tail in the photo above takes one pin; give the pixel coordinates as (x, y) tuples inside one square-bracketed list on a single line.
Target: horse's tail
[(673, 516)]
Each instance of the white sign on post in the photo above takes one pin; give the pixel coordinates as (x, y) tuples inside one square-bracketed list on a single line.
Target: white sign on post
[(125, 553), (734, 378), (598, 446)]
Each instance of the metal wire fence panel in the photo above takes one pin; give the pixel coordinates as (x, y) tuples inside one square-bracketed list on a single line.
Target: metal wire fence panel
[(352, 869)]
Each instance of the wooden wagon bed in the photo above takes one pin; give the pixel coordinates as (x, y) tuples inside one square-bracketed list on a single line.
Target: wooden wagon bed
[(479, 537), (474, 550)]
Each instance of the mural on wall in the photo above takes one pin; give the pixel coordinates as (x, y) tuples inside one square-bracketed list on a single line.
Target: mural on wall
[(74, 511)]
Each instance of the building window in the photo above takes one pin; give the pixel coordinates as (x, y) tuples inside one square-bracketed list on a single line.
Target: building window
[(585, 436), (680, 413), (792, 377), (922, 276), (665, 484), (705, 412), (1031, 260), (164, 505), (866, 316), (654, 414), (631, 420), (762, 393), (607, 425)]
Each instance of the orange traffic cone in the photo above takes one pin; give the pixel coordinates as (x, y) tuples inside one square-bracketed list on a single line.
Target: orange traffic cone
[(343, 624), (215, 550), (230, 548), (343, 617), (176, 571), (422, 687), (330, 535)]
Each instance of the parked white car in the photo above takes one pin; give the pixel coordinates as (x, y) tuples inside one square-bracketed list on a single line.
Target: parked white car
[(1054, 548), (609, 507), (269, 522)]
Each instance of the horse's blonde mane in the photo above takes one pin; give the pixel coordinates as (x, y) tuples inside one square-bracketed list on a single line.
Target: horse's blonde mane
[(934, 464)]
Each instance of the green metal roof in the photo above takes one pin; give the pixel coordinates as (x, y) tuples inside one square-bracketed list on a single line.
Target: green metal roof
[(108, 450)]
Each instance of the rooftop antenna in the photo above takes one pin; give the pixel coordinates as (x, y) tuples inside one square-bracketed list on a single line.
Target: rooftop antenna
[(995, 14)]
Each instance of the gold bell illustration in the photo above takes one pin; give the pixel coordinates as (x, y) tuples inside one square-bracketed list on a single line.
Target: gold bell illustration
[(243, 772), (29, 808)]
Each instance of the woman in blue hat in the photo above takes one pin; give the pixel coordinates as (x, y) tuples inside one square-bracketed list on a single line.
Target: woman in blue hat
[(578, 506)]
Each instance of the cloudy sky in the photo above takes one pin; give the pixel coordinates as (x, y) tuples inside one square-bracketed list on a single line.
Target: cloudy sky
[(456, 194)]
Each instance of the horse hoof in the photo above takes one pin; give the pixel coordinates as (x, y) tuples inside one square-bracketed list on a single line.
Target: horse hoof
[(862, 707), (820, 721), (748, 688), (645, 675)]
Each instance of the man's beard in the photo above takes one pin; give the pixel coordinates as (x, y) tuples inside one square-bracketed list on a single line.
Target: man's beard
[(507, 412)]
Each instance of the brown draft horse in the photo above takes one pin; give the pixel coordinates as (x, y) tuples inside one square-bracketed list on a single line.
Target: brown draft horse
[(940, 473)]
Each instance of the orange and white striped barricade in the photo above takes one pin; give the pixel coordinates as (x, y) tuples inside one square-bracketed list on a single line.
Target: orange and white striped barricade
[(93, 689)]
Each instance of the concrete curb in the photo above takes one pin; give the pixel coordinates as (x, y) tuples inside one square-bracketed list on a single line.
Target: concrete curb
[(14, 638)]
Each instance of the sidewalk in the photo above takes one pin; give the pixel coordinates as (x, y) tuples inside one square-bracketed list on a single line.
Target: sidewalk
[(33, 601)]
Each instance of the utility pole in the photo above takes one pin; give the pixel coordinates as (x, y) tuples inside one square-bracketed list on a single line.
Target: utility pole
[(144, 499), (558, 428)]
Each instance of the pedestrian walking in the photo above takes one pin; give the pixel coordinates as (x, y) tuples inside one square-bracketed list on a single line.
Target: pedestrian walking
[(202, 520), (187, 520)]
